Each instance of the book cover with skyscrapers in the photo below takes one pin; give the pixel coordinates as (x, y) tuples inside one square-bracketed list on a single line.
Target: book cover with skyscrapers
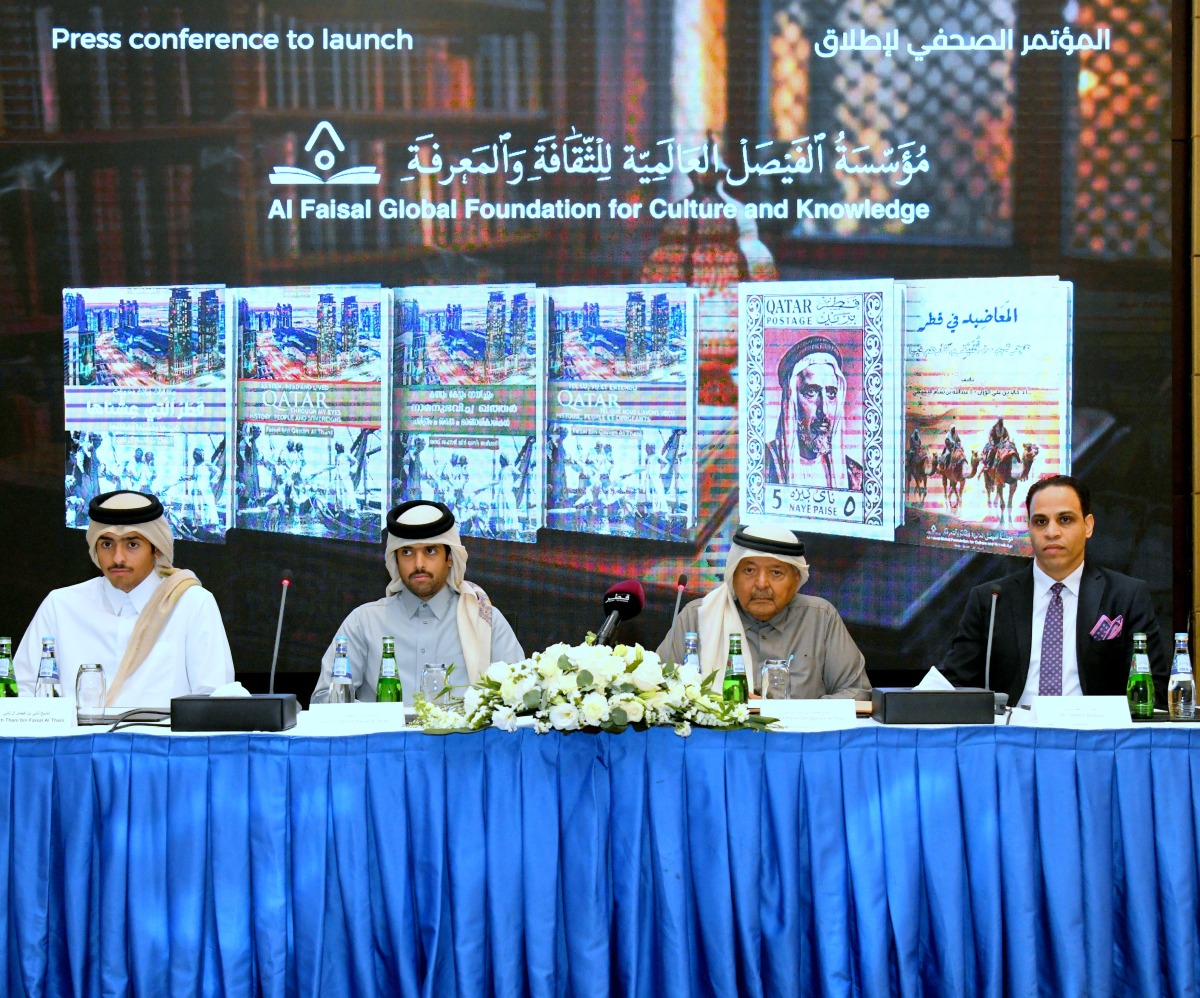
[(147, 399), (620, 405), (311, 423), (468, 411)]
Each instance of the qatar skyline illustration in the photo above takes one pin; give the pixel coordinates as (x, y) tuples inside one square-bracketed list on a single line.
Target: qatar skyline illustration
[(599, 333), (144, 337), (309, 333), (466, 335)]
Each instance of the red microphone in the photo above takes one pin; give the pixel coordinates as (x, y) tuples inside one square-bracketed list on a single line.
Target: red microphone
[(680, 586), (622, 601)]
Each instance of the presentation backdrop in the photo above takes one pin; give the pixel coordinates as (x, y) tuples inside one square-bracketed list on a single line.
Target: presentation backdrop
[(606, 279)]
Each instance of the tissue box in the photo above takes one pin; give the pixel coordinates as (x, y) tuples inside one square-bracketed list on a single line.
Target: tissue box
[(261, 712), (907, 706)]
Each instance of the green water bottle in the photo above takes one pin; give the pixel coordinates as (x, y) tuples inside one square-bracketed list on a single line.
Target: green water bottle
[(1139, 690), (388, 689), (8, 673), (735, 689)]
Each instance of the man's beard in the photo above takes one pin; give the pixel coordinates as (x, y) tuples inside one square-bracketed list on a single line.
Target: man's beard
[(815, 436)]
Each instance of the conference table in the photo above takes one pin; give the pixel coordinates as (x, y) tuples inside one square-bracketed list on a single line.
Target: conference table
[(876, 860)]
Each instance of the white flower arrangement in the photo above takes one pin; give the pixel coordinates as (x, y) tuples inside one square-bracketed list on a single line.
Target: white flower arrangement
[(588, 687)]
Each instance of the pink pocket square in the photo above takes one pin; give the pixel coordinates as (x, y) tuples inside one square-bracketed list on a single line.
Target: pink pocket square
[(1106, 629)]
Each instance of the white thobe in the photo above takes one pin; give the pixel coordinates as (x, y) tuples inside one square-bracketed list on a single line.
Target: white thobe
[(93, 622)]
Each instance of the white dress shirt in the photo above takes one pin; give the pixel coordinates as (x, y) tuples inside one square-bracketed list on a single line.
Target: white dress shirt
[(1070, 660), (426, 632), (93, 621)]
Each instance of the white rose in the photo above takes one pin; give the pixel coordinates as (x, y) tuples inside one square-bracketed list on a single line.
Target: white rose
[(564, 716), (472, 700), (508, 693), (689, 675), (629, 654), (504, 718), (657, 701), (648, 675), (634, 710), (556, 651), (608, 665), (499, 672), (595, 709), (564, 684)]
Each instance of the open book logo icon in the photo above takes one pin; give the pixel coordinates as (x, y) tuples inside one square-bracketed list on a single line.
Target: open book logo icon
[(324, 160)]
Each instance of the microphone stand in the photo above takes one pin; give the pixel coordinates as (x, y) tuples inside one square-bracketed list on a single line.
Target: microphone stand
[(1001, 698), (278, 630)]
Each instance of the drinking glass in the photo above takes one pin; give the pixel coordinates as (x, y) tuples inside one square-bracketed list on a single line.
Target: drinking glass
[(91, 687), (775, 677), (433, 684)]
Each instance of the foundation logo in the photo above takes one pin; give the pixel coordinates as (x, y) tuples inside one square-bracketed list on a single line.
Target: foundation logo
[(324, 160)]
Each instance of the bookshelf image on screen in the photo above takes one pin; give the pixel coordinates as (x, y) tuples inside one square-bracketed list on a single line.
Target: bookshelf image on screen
[(311, 439), (146, 397)]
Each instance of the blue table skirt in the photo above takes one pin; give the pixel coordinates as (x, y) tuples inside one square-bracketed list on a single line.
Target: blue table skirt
[(969, 861)]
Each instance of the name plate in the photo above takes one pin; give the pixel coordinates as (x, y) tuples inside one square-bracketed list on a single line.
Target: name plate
[(1081, 712), (325, 719), (36, 716), (809, 715)]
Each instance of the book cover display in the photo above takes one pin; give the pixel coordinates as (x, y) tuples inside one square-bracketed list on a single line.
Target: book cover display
[(311, 431), (821, 393), (468, 412), (147, 401), (988, 406), (621, 410)]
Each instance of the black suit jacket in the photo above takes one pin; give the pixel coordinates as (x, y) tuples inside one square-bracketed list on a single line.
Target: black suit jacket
[(1103, 665)]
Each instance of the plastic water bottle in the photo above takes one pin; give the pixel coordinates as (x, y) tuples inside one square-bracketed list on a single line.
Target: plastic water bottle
[(341, 685), (8, 675), (691, 649), (48, 682), (1181, 691), (1139, 690)]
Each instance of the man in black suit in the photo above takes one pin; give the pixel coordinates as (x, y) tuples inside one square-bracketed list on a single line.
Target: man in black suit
[(1060, 594)]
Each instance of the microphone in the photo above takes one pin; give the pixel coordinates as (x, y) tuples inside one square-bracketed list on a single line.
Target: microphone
[(623, 601), (680, 586), (1001, 698), (286, 581)]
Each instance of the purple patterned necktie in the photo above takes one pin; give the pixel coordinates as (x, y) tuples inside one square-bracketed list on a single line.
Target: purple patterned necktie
[(1050, 681)]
